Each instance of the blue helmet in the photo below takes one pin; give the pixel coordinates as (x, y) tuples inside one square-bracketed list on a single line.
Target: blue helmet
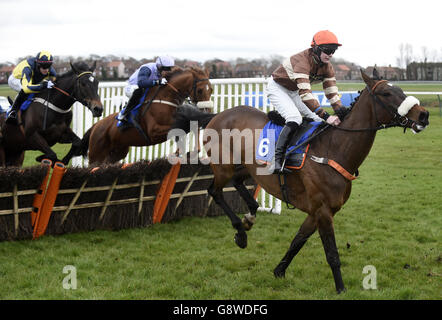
[(44, 59), (164, 62)]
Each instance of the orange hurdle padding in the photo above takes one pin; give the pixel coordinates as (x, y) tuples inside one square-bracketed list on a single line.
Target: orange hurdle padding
[(258, 188), (49, 200), (39, 196), (164, 193)]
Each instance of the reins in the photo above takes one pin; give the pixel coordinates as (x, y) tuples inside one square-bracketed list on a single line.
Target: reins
[(71, 95)]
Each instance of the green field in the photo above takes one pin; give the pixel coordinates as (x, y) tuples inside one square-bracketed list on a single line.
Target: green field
[(392, 221)]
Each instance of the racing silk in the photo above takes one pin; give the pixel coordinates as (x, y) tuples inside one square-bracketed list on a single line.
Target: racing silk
[(300, 71), (31, 79), (145, 76)]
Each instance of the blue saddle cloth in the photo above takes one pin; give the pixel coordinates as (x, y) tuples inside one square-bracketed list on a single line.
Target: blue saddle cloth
[(25, 105), (134, 111), (269, 135)]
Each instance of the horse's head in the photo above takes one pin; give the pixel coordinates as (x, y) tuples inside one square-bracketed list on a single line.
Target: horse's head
[(86, 88), (393, 107), (201, 89), (193, 83)]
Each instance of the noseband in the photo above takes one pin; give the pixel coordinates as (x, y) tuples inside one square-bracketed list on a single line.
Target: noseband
[(397, 119)]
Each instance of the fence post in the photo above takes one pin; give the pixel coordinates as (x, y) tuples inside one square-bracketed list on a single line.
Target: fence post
[(39, 196), (44, 214)]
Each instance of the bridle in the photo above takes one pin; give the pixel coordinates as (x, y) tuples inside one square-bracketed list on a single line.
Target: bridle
[(396, 121), (74, 94)]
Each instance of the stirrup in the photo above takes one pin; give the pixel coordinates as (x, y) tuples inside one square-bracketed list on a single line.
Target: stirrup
[(283, 169)]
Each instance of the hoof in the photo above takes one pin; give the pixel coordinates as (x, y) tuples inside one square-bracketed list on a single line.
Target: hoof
[(341, 290), (279, 272), (241, 240)]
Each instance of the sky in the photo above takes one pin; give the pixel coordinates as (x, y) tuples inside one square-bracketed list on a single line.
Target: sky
[(370, 31)]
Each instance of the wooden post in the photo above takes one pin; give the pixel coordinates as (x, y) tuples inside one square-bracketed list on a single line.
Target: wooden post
[(140, 202), (74, 200), (108, 197)]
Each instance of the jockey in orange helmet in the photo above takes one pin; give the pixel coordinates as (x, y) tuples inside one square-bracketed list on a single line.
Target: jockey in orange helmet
[(289, 89)]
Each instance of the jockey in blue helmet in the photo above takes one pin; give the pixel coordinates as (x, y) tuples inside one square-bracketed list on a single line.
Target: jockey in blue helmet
[(145, 77), (30, 76)]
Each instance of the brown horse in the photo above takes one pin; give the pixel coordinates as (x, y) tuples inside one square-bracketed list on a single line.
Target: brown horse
[(47, 119), (108, 144), (317, 188)]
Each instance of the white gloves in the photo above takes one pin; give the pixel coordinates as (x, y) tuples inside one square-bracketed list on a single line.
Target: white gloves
[(333, 120), (50, 84), (163, 81)]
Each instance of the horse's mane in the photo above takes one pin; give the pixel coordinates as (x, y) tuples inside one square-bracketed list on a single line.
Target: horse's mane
[(178, 70), (172, 73), (79, 66), (197, 70)]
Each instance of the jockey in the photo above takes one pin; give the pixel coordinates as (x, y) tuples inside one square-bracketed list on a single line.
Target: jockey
[(290, 92), (30, 76), (146, 76)]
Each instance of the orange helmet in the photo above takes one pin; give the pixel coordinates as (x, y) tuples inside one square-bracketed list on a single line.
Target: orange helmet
[(324, 37)]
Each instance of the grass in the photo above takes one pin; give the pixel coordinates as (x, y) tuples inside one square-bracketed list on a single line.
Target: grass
[(392, 221)]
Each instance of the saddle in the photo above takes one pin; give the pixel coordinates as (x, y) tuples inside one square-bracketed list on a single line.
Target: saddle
[(132, 116), (298, 145)]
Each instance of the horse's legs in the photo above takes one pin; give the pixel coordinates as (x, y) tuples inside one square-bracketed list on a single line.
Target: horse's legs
[(216, 191), (307, 228), (326, 231), (117, 154), (37, 142), (70, 137), (238, 183)]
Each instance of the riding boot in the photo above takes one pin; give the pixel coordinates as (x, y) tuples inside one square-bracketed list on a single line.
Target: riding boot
[(131, 104), (281, 145), (12, 113)]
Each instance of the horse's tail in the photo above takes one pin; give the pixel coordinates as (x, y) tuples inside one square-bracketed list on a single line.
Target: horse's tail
[(187, 113), (85, 142), (204, 120)]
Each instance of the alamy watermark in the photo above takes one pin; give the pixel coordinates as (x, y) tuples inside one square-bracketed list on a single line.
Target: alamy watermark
[(370, 280), (230, 146), (70, 281)]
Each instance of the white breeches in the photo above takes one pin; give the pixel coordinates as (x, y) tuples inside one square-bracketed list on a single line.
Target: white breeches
[(14, 83), (129, 90), (288, 103)]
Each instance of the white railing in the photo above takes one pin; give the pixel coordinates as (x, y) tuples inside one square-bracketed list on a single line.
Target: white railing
[(227, 93)]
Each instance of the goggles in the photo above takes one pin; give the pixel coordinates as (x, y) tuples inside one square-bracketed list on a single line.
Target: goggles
[(44, 65), (328, 50)]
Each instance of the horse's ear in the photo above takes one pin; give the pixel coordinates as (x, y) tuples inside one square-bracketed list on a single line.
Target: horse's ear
[(369, 81), (91, 69), (73, 68), (376, 74)]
